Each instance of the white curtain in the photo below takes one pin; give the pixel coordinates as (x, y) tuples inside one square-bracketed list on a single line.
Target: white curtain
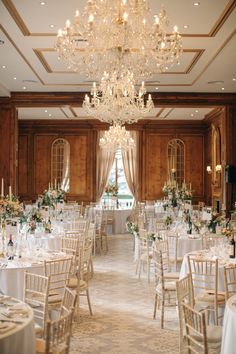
[(65, 184), (105, 159), (130, 162)]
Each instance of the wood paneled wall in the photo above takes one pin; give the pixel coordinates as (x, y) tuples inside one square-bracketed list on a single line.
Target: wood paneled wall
[(8, 147), (35, 141), (153, 164), (35, 138)]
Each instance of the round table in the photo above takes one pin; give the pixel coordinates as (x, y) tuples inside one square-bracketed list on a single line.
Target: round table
[(188, 244), (12, 272), (17, 333), (228, 345)]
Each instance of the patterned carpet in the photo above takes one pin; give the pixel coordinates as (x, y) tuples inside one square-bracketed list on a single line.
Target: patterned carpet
[(122, 309)]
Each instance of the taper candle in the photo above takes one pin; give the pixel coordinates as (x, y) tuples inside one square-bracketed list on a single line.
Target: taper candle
[(2, 189)]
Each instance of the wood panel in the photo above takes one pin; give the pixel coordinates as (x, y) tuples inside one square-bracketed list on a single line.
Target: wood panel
[(23, 162), (154, 163), (35, 142), (78, 166), (8, 147), (194, 163), (42, 162)]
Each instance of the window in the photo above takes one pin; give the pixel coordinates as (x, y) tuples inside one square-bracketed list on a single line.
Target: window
[(117, 177), (175, 154), (60, 164)]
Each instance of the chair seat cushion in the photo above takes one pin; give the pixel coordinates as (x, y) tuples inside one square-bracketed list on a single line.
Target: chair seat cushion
[(144, 256), (168, 286), (54, 299), (73, 283), (171, 275), (214, 334), (209, 296)]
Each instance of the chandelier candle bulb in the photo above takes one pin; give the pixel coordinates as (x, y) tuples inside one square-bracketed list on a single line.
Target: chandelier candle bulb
[(59, 33), (105, 50)]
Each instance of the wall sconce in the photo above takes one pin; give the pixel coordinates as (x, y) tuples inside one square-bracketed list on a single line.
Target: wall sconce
[(208, 169), (218, 168)]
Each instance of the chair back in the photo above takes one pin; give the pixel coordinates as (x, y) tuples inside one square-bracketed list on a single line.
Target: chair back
[(58, 334), (158, 268), (184, 289), (230, 280), (162, 246), (85, 261), (59, 271), (70, 245), (36, 290), (204, 274), (195, 325), (68, 302), (173, 248)]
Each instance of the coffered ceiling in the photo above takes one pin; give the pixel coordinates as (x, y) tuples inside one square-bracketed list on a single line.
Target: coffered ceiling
[(29, 62)]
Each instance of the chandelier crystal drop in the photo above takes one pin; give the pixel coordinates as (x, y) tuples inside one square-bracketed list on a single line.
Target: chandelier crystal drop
[(119, 35), (117, 138), (116, 100)]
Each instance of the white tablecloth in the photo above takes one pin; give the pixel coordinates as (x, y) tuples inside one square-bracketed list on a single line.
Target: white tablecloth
[(19, 338), (205, 254), (12, 276), (119, 224), (228, 345), (186, 245)]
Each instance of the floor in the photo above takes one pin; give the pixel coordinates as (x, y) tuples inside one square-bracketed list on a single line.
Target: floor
[(123, 308)]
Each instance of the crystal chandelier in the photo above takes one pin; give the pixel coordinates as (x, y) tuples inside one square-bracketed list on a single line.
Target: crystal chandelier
[(116, 138), (119, 35), (116, 100)]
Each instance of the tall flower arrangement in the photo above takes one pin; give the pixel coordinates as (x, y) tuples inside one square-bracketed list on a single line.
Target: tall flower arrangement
[(10, 207), (52, 196), (111, 189)]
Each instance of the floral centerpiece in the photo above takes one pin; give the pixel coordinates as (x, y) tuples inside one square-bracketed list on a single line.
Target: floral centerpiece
[(227, 231), (33, 218), (111, 189), (132, 228), (184, 193), (216, 219), (51, 197), (10, 207)]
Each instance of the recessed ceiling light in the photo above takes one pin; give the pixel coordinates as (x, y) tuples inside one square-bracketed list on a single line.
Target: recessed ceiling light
[(24, 88), (157, 88), (42, 3), (3, 66), (196, 111), (186, 26), (52, 25), (46, 111), (222, 88), (14, 78), (234, 79), (191, 114), (196, 3), (50, 115)]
